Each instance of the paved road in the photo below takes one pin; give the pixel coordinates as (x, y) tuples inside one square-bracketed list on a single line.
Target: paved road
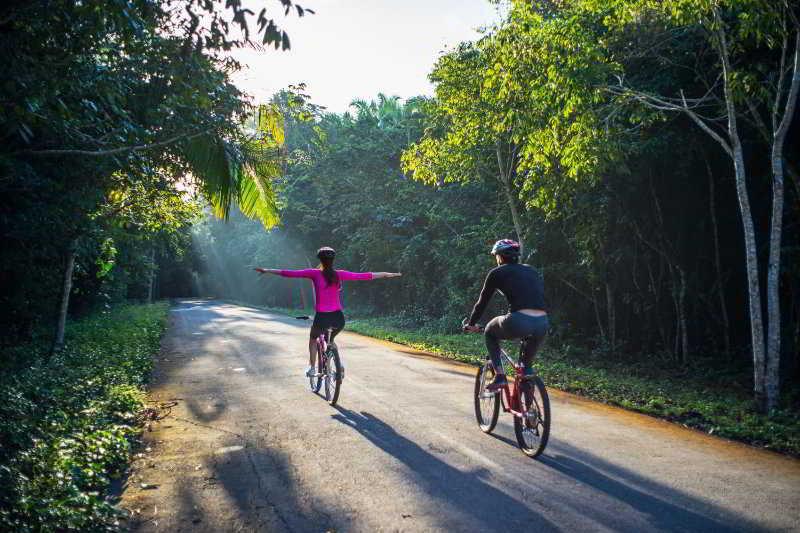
[(247, 447)]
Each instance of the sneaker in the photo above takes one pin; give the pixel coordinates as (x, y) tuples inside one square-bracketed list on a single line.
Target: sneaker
[(310, 372), (497, 383)]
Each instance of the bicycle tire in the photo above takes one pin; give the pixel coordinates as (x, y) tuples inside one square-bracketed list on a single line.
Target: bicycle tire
[(491, 406), (315, 382), (333, 376), (540, 430)]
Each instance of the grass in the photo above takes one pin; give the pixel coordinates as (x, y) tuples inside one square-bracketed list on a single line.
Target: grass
[(66, 426), (705, 397)]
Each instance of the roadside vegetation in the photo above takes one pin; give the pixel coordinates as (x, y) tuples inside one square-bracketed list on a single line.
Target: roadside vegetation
[(66, 426)]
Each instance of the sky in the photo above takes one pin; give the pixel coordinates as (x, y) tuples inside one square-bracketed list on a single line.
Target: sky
[(357, 48)]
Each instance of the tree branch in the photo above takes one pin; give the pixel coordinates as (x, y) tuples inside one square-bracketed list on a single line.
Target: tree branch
[(665, 105), (791, 100), (781, 75), (103, 153)]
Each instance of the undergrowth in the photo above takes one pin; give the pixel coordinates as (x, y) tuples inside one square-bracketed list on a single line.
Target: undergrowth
[(66, 425)]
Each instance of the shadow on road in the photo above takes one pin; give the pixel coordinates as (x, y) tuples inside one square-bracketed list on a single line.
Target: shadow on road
[(661, 507), (259, 481), (665, 508), (464, 493)]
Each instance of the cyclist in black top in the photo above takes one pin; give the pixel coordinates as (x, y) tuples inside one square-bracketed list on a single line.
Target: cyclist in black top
[(523, 288)]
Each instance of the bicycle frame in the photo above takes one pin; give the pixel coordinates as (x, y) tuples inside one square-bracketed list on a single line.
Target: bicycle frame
[(510, 397), (322, 343)]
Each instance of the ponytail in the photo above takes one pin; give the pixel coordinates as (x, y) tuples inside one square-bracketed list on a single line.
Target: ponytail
[(328, 272)]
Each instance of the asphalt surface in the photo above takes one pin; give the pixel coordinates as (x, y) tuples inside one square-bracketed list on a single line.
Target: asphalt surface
[(243, 445)]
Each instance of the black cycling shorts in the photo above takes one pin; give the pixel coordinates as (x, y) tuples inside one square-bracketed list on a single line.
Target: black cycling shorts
[(323, 321)]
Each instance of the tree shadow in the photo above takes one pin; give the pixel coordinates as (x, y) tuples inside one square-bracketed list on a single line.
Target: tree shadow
[(259, 481), (465, 494), (664, 507)]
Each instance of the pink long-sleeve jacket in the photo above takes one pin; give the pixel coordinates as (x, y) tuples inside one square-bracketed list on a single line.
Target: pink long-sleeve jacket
[(326, 296)]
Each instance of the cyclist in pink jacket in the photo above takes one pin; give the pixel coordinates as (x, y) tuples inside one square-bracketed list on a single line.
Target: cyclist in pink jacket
[(327, 284)]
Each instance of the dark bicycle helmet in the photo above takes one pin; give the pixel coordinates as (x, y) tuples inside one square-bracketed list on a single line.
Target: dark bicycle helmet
[(326, 252), (506, 247)]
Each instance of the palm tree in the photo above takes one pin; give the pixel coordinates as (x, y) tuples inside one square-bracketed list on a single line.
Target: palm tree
[(241, 170)]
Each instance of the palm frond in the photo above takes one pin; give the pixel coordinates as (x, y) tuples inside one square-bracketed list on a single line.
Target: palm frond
[(242, 172)]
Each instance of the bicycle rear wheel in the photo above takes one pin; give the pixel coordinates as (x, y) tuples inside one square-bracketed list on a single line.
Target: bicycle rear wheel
[(315, 382), (533, 429), (333, 376), (487, 404)]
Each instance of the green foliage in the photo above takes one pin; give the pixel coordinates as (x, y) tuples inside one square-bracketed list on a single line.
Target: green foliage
[(66, 426)]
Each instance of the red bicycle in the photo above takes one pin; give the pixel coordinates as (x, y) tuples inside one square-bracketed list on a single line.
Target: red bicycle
[(525, 397), (330, 371)]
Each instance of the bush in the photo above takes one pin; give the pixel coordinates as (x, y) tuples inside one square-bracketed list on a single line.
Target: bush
[(65, 426)]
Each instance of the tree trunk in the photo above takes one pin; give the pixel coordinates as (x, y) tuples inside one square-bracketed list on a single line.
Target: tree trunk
[(751, 251), (776, 228), (720, 283), (504, 176), (676, 344), (773, 283), (682, 316), (152, 284), (599, 322), (303, 297), (61, 321), (612, 319), (753, 285)]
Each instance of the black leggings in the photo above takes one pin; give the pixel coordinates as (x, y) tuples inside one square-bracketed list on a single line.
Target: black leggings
[(516, 326), (323, 321)]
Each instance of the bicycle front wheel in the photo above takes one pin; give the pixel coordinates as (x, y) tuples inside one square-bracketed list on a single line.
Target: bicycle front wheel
[(333, 376), (533, 428), (487, 404)]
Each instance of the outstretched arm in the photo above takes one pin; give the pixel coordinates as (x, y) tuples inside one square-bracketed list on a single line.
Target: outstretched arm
[(380, 275), (307, 273), (268, 271)]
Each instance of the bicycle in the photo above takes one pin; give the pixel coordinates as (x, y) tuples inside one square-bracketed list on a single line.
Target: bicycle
[(525, 397), (330, 371)]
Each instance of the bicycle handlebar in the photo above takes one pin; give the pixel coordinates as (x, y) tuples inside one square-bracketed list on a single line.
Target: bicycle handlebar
[(464, 327)]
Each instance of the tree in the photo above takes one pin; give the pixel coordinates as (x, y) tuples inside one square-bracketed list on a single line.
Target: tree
[(469, 139), (740, 89)]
